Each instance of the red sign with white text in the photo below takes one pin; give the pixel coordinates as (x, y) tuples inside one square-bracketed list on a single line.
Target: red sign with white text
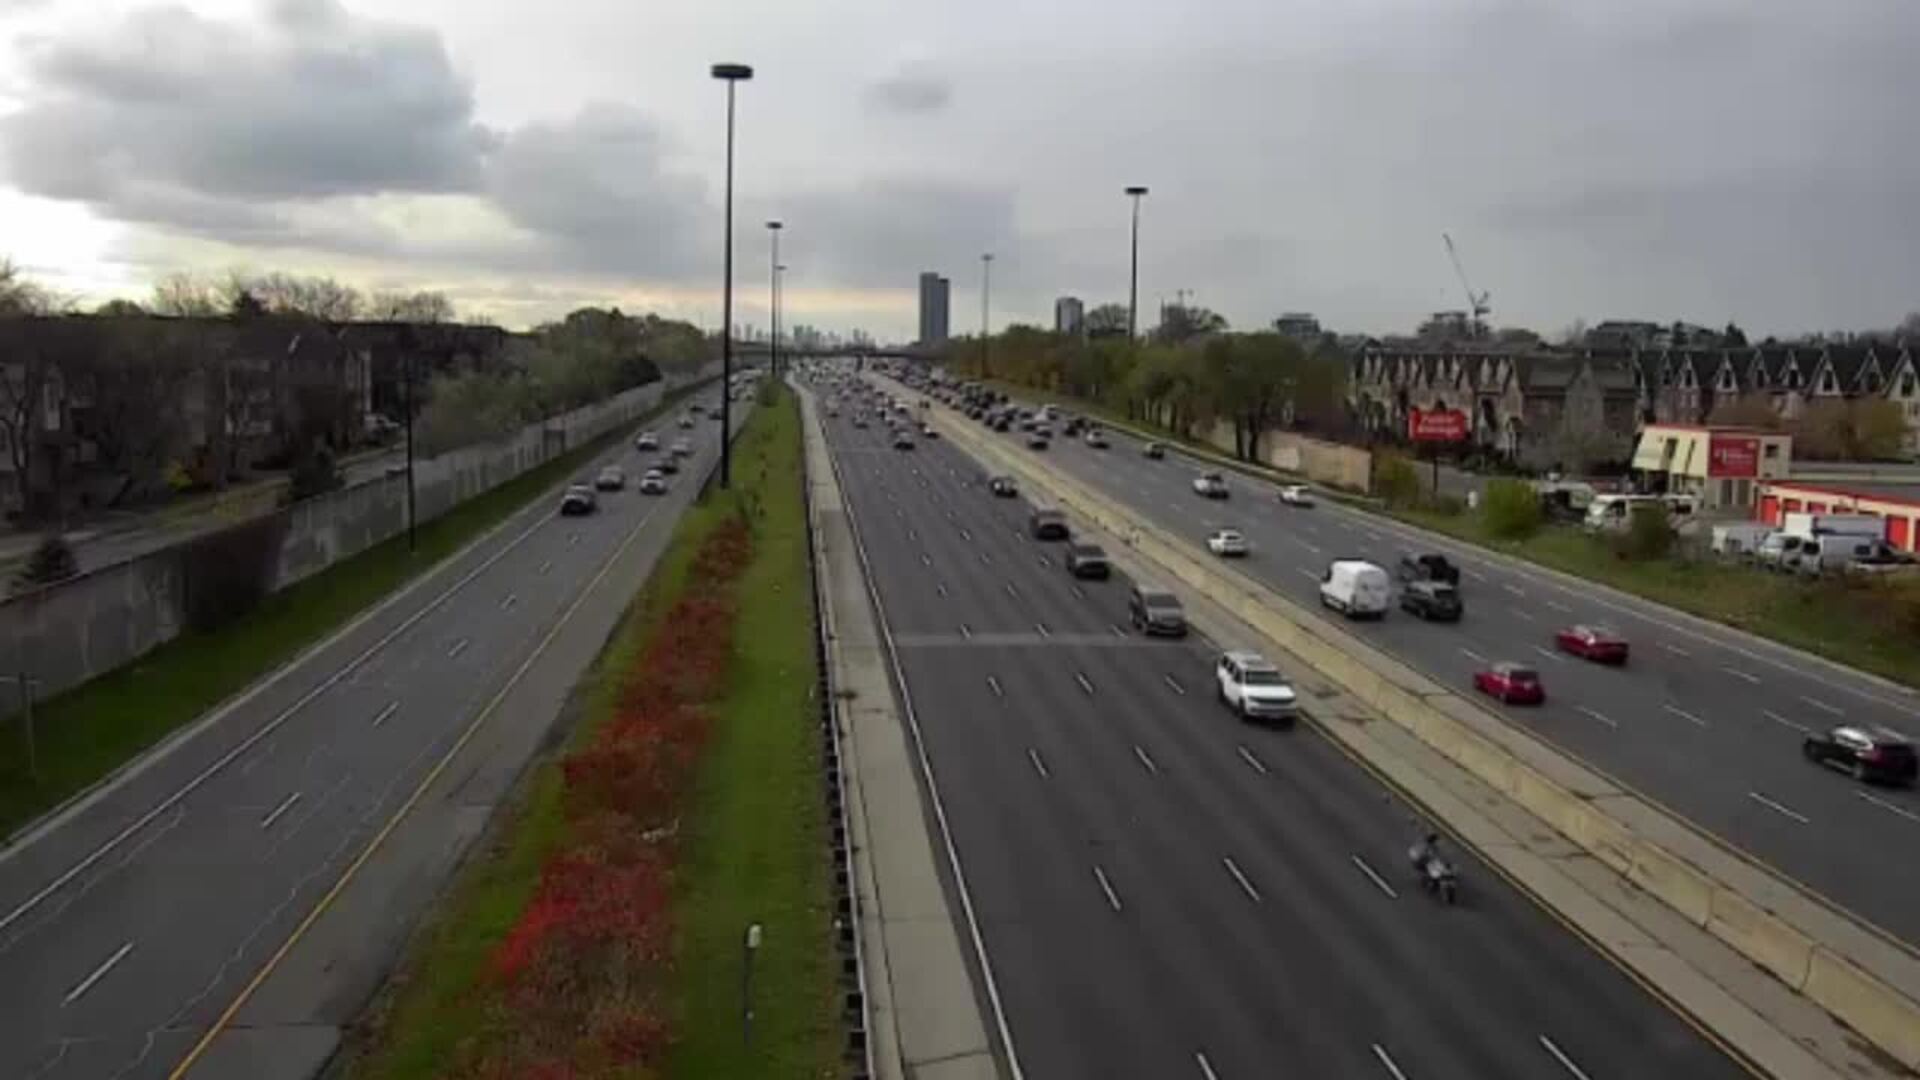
[(1733, 455), (1436, 425)]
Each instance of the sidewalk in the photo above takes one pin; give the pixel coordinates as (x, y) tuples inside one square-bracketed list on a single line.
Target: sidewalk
[(926, 1021)]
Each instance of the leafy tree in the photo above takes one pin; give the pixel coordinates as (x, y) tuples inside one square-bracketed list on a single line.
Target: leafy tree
[(1511, 510), (1879, 429), (1733, 337), (1107, 320), (315, 472), (52, 560), (1395, 480), (20, 295), (1183, 322), (119, 308), (1867, 429), (1649, 533)]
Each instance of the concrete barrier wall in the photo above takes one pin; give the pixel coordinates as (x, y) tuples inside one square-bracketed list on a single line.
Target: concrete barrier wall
[(87, 626), (1349, 467), (1860, 987)]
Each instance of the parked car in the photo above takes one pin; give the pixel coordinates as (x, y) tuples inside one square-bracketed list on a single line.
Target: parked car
[(1874, 755), (1428, 568), (653, 482), (579, 499), (1227, 543), (1251, 686), (1003, 486), (1596, 643), (1296, 495), (1512, 684), (1355, 588), (1086, 560), (1210, 485), (1154, 450), (646, 440), (1436, 601), (611, 478), (1156, 611), (1046, 523)]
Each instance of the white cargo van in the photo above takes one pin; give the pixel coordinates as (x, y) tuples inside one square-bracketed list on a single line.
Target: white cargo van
[(1801, 523), (1356, 588)]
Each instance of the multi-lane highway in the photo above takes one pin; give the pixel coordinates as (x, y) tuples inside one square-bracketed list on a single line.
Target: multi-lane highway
[(1705, 720), (1164, 892), (129, 923)]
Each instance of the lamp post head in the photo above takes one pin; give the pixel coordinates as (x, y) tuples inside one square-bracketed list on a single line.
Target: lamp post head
[(773, 225), (732, 72), (1137, 190)]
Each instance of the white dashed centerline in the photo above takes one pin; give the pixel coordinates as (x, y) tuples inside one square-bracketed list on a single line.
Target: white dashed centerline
[(1558, 606), (1784, 722), (1674, 649), (966, 631), (1077, 594), (1038, 765), (457, 648), (285, 805), (1245, 885), (1518, 614), (1550, 654), (1253, 762), (1885, 805), (99, 973), (1113, 898), (386, 714), (1206, 1069), (510, 600), (1041, 629), (1392, 1069), (1684, 715), (1085, 683), (1146, 762), (1602, 717), (546, 566), (993, 684), (1373, 876), (1821, 705), (1174, 685), (1738, 674), (1777, 808), (1565, 1061), (1473, 656)]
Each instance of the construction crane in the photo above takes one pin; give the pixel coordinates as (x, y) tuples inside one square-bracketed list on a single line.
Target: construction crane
[(1477, 302)]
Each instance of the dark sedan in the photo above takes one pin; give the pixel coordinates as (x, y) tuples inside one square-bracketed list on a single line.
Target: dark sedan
[(1873, 755)]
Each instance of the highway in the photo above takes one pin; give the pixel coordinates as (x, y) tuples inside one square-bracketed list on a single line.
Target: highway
[(129, 922), (1704, 720), (1164, 892)]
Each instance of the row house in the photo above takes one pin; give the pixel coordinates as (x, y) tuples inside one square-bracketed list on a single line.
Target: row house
[(1685, 386), (1521, 405)]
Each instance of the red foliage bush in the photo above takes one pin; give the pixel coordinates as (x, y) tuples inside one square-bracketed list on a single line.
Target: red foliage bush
[(579, 971)]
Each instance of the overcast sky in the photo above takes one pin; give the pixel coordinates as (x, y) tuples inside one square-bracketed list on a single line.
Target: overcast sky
[(1700, 159)]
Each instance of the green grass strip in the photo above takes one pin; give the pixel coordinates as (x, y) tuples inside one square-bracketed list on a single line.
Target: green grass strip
[(92, 729)]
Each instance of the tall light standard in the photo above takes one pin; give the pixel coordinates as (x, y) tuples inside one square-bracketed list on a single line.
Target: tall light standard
[(780, 301), (1133, 275), (986, 291), (730, 74), (773, 299)]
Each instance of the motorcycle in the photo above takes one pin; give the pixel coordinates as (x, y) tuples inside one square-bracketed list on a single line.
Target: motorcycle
[(1438, 878)]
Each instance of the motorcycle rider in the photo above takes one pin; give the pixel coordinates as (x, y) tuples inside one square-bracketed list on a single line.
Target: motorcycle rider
[(1426, 852)]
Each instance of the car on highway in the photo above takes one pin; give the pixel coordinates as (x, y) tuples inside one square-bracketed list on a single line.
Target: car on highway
[(1254, 688), (685, 421), (1872, 755), (1001, 423), (860, 420), (1097, 439), (1428, 567), (1355, 588), (653, 482), (646, 440), (1435, 601), (1296, 495), (1511, 683), (1589, 642), (1227, 543), (927, 431), (696, 408), (1003, 486), (1154, 450), (1086, 560), (902, 439), (579, 499), (681, 448), (1046, 523), (611, 478), (667, 464), (1155, 611), (1210, 485), (1037, 440)]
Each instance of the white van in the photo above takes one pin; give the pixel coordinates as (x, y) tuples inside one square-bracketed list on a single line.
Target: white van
[(1614, 511), (1356, 588)]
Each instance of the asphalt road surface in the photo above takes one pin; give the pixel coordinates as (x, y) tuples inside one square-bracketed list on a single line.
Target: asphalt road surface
[(1165, 892), (128, 924), (1706, 721)]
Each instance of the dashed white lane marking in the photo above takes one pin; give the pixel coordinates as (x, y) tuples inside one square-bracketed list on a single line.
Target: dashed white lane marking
[(1821, 705), (1784, 722), (1518, 614), (458, 648), (386, 714), (1514, 589), (1174, 685), (1602, 717), (993, 684), (1038, 765), (1146, 762), (1885, 805), (1373, 876), (99, 973), (1777, 808), (1565, 1061), (285, 805), (1206, 1069), (1085, 683), (1385, 1059), (1253, 762), (1245, 885), (1738, 674), (1675, 649), (1041, 629), (1550, 654), (1558, 606), (546, 566), (511, 599), (1473, 656), (966, 631), (1113, 898), (1684, 715), (1077, 594)]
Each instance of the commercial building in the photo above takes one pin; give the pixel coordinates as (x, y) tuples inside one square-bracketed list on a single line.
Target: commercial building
[(934, 290), (1069, 316), (1897, 504), (1718, 466)]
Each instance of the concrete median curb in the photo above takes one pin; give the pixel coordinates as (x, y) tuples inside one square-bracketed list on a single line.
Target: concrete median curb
[(1773, 923)]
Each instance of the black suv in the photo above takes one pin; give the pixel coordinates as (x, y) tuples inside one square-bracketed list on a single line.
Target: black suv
[(1087, 561), (1156, 611), (1003, 486), (1047, 524), (1429, 568), (1435, 600), (1871, 754)]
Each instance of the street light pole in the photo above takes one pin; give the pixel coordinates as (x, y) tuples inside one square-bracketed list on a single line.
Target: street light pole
[(986, 291), (412, 515), (730, 74), (1133, 275), (780, 301), (773, 300)]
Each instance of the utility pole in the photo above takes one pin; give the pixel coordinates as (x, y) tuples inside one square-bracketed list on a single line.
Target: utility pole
[(986, 291), (773, 300), (406, 377), (1133, 274)]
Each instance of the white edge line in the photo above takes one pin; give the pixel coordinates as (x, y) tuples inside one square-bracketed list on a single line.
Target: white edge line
[(99, 973), (933, 791)]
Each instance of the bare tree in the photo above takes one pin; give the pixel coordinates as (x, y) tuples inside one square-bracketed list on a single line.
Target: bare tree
[(187, 295), (21, 295), (290, 294), (416, 307), (136, 420)]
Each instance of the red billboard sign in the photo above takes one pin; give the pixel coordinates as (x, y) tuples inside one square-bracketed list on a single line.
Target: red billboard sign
[(1733, 455), (1436, 425)]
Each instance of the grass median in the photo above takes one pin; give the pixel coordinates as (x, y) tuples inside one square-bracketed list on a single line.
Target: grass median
[(743, 843), (85, 733)]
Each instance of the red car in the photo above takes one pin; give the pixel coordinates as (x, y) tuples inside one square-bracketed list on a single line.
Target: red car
[(1595, 643), (1513, 684)]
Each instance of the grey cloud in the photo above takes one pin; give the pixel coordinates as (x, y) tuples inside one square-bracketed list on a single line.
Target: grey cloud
[(882, 231), (309, 102), (911, 87)]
